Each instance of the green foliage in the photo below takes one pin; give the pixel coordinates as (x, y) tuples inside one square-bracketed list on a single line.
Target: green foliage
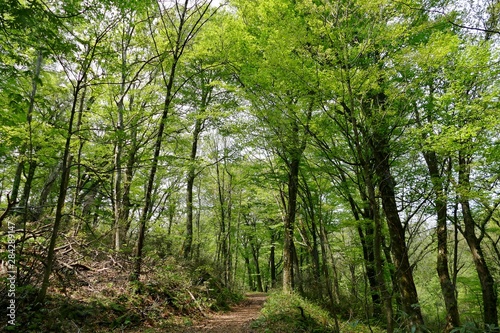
[(291, 313), (471, 327)]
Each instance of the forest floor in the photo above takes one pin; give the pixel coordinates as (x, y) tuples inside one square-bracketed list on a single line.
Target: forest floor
[(237, 320)]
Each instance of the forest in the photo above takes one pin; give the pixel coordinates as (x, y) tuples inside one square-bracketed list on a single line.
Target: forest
[(160, 158)]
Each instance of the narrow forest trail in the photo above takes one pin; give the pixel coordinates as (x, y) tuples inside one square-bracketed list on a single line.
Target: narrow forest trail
[(238, 319)]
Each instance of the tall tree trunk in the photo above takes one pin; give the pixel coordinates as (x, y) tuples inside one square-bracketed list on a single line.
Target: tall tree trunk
[(127, 183), (447, 287), (255, 255), (333, 285), (309, 205), (63, 187), (32, 162), (404, 274), (486, 280), (249, 272), (221, 196), (177, 51), (118, 172), (79, 176), (272, 260), (288, 246), (188, 240), (371, 212), (66, 168), (184, 34), (120, 197), (369, 246), (227, 234)]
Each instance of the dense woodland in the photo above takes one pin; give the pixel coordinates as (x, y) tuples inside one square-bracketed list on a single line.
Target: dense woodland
[(345, 151)]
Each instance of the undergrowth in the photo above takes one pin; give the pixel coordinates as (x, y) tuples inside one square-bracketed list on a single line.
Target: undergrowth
[(285, 313), (101, 298)]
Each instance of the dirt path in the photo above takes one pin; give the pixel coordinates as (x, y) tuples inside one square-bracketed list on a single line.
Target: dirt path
[(235, 321)]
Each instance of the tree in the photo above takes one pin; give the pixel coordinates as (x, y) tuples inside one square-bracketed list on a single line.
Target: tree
[(179, 23), (276, 82), (81, 77)]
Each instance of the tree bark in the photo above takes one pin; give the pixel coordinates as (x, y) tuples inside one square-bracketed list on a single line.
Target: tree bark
[(486, 280), (188, 240), (404, 274), (272, 260), (63, 187), (249, 272), (288, 246), (372, 211), (255, 255), (447, 287), (176, 52)]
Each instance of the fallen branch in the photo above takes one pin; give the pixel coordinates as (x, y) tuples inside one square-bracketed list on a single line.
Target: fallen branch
[(196, 302), (115, 262)]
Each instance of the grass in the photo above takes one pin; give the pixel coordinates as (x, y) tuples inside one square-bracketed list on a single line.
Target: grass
[(285, 313)]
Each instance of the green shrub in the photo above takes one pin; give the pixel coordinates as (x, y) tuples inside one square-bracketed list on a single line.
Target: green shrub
[(291, 313), (284, 313)]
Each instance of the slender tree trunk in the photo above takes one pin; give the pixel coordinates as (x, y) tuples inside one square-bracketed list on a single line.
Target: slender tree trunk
[(249, 272), (313, 248), (117, 181), (221, 196), (76, 203), (198, 224), (486, 280), (333, 285), (65, 171), (272, 260), (288, 246), (177, 51), (369, 246), (127, 182), (63, 187), (367, 191), (295, 149), (255, 255), (188, 240), (374, 214), (120, 197), (447, 287), (227, 234), (32, 162)]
